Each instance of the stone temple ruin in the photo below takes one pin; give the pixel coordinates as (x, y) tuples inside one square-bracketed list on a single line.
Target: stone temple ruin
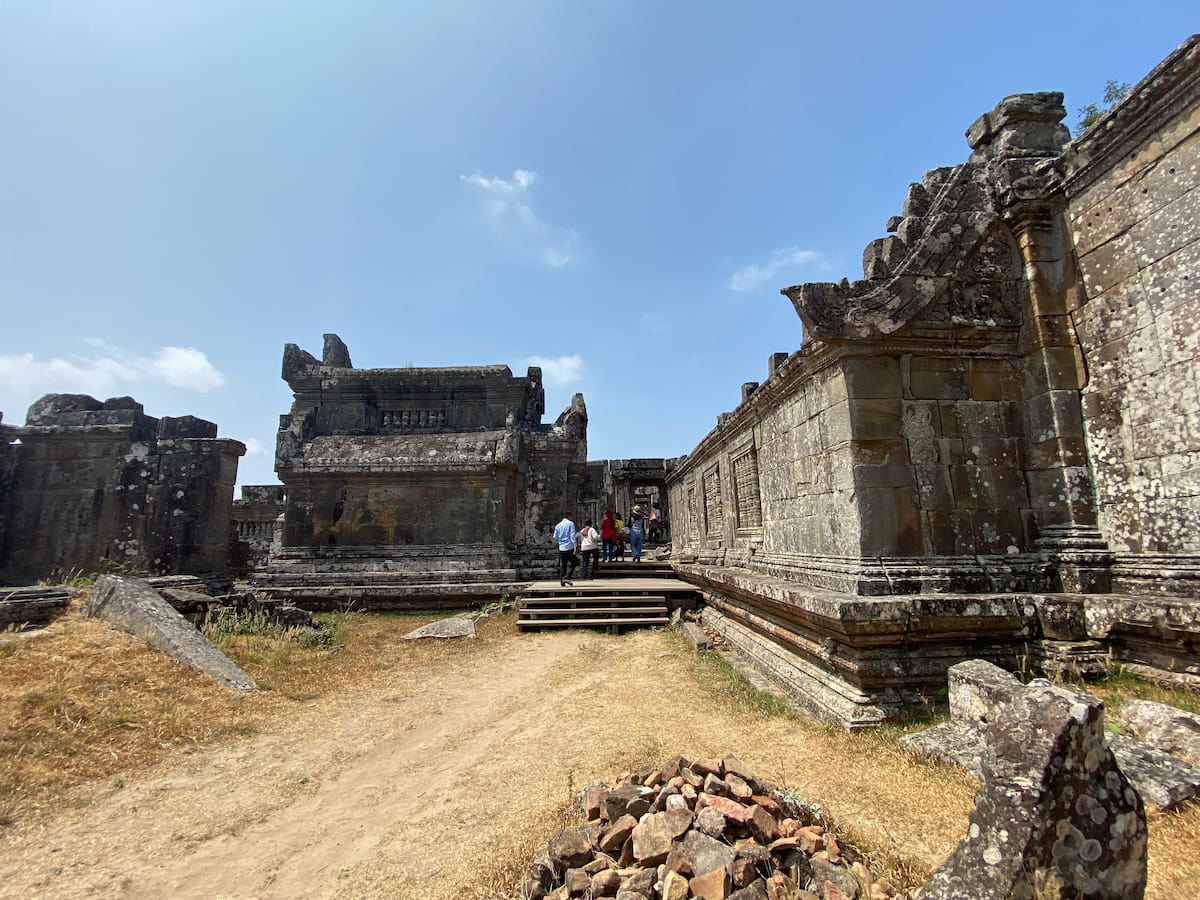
[(401, 481), (986, 448), (87, 484)]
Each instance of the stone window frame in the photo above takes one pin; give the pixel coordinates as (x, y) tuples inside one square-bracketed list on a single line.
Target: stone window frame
[(709, 529), (740, 506), (693, 518)]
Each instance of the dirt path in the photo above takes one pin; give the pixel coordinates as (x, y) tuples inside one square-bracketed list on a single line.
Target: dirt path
[(409, 786)]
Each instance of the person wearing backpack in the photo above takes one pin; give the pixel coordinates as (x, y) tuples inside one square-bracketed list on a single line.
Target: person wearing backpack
[(589, 549), (637, 532)]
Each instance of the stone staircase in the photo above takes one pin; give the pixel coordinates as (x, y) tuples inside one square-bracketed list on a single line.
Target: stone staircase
[(612, 601)]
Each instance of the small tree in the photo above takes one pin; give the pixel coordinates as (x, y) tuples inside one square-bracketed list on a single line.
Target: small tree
[(1088, 115)]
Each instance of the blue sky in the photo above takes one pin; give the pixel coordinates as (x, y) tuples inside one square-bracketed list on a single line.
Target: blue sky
[(615, 190)]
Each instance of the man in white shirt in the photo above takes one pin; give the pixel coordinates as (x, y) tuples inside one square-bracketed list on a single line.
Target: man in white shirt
[(564, 533)]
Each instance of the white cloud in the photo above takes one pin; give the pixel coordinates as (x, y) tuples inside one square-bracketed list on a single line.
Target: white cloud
[(754, 276), (559, 371), (255, 447), (508, 209), (110, 371)]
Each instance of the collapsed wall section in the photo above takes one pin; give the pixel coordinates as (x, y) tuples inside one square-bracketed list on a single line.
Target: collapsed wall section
[(94, 484)]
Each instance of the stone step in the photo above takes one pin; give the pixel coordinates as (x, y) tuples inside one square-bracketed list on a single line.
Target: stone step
[(583, 611), (613, 623), (614, 599)]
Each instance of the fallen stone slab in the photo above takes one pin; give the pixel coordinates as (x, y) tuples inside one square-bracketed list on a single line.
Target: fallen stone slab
[(980, 692), (1166, 728), (696, 636), (1160, 778), (444, 628), (135, 607)]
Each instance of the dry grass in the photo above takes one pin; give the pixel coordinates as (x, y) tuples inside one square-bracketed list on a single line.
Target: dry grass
[(88, 704), (85, 707)]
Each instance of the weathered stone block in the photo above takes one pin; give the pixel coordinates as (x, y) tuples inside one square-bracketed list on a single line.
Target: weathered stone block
[(1052, 800), (938, 378), (872, 376), (875, 418)]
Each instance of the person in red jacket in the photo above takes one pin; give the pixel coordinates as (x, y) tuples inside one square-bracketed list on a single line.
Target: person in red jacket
[(608, 535)]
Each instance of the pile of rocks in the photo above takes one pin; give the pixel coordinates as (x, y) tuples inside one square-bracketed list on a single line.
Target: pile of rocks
[(706, 829)]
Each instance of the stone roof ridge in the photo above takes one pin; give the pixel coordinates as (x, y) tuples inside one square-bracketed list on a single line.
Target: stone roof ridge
[(335, 355), (945, 217)]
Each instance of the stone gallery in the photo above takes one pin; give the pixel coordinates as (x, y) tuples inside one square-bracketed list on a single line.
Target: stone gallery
[(986, 448)]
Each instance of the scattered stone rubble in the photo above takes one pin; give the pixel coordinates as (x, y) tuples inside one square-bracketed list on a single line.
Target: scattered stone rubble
[(980, 696), (705, 828)]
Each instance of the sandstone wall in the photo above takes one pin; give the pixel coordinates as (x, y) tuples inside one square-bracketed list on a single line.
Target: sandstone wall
[(424, 464), (1133, 183), (95, 482)]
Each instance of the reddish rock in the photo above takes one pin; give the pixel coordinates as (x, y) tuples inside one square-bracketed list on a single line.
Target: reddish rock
[(742, 872), (788, 827), (677, 861), (762, 824), (731, 764), (706, 766), (577, 882), (591, 800), (833, 892), (690, 777), (689, 793), (731, 809), (599, 864), (676, 781), (712, 885), (617, 834), (606, 883), (780, 887), (671, 769), (810, 839), (832, 848), (569, 848), (768, 804), (652, 837), (736, 787)]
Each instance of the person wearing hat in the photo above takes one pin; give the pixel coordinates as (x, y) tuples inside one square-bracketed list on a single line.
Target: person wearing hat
[(637, 532)]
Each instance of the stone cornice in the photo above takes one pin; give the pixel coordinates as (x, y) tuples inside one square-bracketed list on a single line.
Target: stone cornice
[(1171, 87)]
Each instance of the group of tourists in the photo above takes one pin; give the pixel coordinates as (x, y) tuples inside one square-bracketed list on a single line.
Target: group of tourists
[(587, 546)]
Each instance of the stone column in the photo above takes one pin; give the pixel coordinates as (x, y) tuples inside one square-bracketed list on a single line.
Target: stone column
[(1020, 141)]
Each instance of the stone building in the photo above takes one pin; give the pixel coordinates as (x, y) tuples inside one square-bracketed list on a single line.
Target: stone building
[(420, 474), (1005, 405), (87, 484), (620, 484), (257, 521)]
